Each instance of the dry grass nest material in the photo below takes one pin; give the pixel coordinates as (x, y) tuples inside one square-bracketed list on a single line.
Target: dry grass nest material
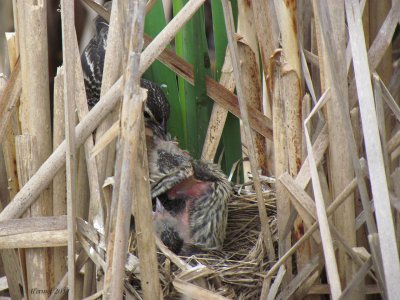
[(238, 270)]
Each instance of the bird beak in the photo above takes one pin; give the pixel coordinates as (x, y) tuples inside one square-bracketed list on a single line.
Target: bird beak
[(159, 207)]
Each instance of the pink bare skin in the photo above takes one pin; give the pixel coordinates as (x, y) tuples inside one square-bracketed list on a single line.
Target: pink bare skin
[(190, 188)]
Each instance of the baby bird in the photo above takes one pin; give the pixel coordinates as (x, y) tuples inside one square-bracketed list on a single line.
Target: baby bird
[(168, 229), (194, 192), (200, 202), (168, 164)]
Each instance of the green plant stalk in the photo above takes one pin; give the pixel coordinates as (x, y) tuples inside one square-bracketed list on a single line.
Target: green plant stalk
[(181, 51), (231, 134), (220, 38), (191, 45)]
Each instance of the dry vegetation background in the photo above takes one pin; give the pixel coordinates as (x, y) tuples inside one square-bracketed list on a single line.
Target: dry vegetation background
[(316, 85)]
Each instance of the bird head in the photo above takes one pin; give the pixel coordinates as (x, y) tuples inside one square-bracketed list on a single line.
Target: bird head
[(168, 165), (167, 228)]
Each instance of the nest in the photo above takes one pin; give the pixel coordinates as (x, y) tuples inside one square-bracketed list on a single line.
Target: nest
[(238, 270)]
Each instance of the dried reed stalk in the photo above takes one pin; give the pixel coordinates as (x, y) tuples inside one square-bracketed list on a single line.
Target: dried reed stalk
[(27, 163), (301, 201), (286, 15), (340, 168), (82, 192), (158, 45), (273, 291), (267, 35), (330, 260), (377, 259), (291, 90), (265, 229), (70, 61), (323, 289), (12, 128), (96, 206), (266, 29), (218, 114), (4, 193), (280, 153), (9, 257), (106, 138), (112, 71), (9, 98), (96, 203), (35, 101), (195, 292), (36, 232), (378, 13), (59, 181), (250, 70)]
